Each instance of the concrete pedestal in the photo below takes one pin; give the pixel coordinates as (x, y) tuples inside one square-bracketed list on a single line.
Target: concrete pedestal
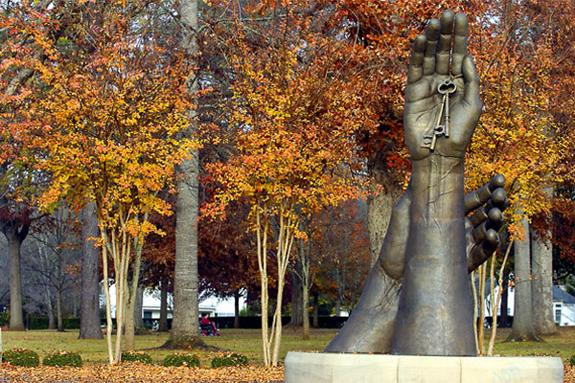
[(304, 367)]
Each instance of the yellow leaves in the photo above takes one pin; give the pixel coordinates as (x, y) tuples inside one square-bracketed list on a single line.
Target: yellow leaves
[(135, 372)]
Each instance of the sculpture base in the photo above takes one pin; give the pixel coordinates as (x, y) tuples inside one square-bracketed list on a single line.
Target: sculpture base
[(305, 367)]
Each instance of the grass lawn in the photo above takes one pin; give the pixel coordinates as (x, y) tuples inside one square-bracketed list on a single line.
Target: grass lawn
[(248, 342)]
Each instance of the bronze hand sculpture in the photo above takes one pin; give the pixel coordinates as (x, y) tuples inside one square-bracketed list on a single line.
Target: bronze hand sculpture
[(417, 299)]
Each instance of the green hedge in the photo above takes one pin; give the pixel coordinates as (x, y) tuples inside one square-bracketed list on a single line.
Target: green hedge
[(180, 359), (4, 319), (572, 360), (21, 357), (136, 356), (41, 323), (63, 359), (229, 360)]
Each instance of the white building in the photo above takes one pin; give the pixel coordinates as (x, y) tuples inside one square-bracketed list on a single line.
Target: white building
[(563, 305), (151, 304)]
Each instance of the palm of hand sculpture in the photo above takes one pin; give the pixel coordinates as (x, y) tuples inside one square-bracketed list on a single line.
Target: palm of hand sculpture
[(429, 247), (438, 57)]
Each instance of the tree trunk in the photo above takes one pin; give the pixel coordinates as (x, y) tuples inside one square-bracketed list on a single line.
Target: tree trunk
[(16, 310), (185, 321), (237, 309), (505, 301), (163, 306), (542, 286), (315, 310), (132, 294), (523, 329), (186, 314), (296, 319), (138, 310), (50, 310), (59, 315), (90, 291), (305, 301)]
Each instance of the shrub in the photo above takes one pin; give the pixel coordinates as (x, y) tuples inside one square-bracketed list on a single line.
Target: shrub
[(229, 360), (179, 359), (21, 357), (572, 360), (62, 359), (136, 356), (4, 319)]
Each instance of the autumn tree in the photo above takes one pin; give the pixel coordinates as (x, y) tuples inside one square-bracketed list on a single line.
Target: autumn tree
[(110, 104), (297, 101)]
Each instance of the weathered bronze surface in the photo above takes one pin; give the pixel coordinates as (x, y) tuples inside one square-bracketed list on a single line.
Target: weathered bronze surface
[(417, 299)]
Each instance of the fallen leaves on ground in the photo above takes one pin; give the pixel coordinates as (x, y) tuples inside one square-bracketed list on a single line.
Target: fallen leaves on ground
[(569, 373), (140, 373)]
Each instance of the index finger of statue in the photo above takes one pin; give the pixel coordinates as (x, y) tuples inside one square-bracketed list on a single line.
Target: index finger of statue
[(444, 43), (459, 43), (432, 34), (415, 68)]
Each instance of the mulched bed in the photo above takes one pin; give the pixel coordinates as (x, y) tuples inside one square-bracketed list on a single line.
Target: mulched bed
[(140, 373)]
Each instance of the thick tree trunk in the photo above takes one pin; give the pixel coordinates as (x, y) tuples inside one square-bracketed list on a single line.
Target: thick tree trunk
[(542, 287), (523, 314), (16, 310), (59, 314), (132, 294), (186, 313), (50, 310), (305, 301), (315, 318), (237, 309), (163, 306), (296, 319), (90, 290), (138, 310)]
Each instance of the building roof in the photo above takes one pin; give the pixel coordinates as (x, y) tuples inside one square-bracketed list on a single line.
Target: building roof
[(559, 295)]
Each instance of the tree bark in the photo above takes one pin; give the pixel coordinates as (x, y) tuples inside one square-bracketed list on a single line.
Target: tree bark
[(305, 313), (59, 314), (90, 297), (523, 329), (133, 292), (542, 287), (186, 312), (296, 319), (315, 318), (138, 310), (15, 237), (505, 301), (50, 310), (163, 306), (237, 309)]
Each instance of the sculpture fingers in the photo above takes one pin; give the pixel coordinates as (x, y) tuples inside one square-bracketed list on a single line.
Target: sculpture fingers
[(444, 43), (415, 68), (471, 93), (459, 44), (481, 252), (482, 195), (432, 34)]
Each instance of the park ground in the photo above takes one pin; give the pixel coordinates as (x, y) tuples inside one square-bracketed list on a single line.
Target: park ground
[(246, 342)]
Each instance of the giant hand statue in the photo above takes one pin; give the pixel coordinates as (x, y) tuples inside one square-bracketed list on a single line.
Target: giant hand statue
[(417, 299)]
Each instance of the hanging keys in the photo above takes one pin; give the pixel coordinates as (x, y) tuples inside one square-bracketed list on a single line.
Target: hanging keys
[(445, 88)]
